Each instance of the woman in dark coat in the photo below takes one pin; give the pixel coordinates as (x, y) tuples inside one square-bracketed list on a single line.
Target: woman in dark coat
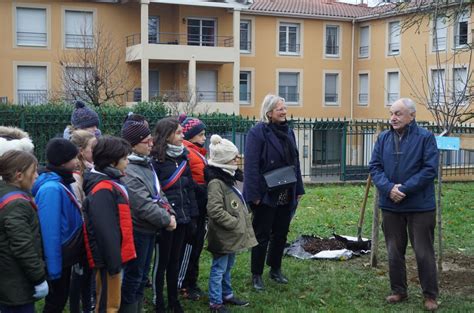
[(270, 145)]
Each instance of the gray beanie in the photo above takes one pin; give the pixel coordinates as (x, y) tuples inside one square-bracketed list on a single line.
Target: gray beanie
[(84, 117)]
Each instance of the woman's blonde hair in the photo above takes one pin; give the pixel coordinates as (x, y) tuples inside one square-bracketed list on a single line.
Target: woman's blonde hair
[(81, 138), (269, 103)]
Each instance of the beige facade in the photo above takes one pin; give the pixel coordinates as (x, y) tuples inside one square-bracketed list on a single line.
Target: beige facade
[(192, 51)]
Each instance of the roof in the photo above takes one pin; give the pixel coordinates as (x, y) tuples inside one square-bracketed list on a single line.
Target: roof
[(310, 8)]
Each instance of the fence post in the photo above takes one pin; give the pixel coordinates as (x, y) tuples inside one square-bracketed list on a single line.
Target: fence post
[(376, 217), (343, 151)]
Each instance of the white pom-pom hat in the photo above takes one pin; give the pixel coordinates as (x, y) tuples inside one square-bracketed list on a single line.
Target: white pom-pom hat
[(222, 151)]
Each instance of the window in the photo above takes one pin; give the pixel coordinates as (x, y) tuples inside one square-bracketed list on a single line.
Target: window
[(331, 87), (79, 29), (76, 79), (332, 40), (31, 84), (327, 145), (460, 82), (245, 36), (364, 41), (394, 38), (363, 89), (288, 87), (153, 29), (393, 87), (31, 27), (153, 84), (438, 86), (201, 32), (439, 34), (460, 30), (244, 89), (289, 38)]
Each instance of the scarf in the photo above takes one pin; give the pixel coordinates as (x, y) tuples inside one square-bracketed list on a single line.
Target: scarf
[(282, 133), (66, 175), (174, 151), (228, 168)]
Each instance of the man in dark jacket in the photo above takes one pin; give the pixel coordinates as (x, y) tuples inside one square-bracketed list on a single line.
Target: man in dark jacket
[(403, 167)]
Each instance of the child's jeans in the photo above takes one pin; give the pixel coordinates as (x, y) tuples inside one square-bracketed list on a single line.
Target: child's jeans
[(219, 279)]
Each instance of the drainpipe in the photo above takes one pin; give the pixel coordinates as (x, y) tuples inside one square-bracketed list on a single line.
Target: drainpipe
[(352, 71)]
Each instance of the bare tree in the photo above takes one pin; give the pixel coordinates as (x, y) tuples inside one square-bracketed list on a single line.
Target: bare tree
[(447, 88), (94, 71), (183, 101)]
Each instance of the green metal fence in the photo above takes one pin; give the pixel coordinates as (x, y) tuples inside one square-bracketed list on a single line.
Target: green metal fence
[(330, 150)]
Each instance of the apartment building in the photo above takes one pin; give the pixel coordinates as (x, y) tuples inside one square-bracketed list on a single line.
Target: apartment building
[(326, 58)]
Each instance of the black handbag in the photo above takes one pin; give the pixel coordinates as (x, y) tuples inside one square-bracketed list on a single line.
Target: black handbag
[(280, 177)]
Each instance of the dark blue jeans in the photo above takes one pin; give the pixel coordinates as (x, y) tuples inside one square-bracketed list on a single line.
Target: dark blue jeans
[(81, 289), (25, 308), (135, 272)]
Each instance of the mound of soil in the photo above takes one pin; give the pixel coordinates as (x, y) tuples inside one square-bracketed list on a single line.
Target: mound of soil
[(314, 245)]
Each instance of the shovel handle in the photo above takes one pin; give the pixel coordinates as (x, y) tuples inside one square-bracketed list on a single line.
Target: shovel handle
[(362, 209)]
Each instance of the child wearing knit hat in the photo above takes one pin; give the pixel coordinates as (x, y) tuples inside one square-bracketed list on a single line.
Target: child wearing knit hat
[(83, 118), (230, 227), (194, 131)]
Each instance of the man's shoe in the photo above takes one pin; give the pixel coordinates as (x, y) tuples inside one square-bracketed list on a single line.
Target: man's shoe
[(236, 301), (395, 298), (277, 276), (257, 282), (218, 308), (176, 308), (431, 304)]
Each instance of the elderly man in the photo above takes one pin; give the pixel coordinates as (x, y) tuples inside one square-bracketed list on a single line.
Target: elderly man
[(403, 167)]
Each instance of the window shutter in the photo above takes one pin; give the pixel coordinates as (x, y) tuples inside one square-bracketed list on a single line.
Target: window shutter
[(31, 26)]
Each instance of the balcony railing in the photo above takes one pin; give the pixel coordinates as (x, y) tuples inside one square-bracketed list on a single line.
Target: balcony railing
[(330, 97), (31, 39), (394, 48), (32, 96), (245, 46), (364, 51), (289, 48), (182, 39), (439, 43), (363, 98), (289, 97), (245, 97), (79, 41), (332, 50), (392, 97), (460, 40), (181, 96)]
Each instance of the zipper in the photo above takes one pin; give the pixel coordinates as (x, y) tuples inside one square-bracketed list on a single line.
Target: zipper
[(180, 192)]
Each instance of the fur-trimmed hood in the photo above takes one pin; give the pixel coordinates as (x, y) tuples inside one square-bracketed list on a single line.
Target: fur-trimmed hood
[(13, 138)]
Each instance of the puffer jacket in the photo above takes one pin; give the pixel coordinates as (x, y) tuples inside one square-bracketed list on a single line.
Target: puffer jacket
[(230, 223), (108, 221), (21, 263), (181, 194), (147, 213), (61, 223), (197, 163)]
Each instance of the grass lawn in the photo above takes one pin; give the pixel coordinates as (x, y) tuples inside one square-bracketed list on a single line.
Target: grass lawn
[(353, 286)]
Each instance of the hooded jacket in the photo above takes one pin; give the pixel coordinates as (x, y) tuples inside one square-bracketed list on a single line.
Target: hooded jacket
[(230, 223), (21, 262), (108, 222), (61, 223), (148, 216), (197, 163), (12, 138), (414, 166)]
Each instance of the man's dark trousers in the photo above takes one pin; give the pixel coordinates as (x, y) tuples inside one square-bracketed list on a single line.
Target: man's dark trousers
[(420, 228)]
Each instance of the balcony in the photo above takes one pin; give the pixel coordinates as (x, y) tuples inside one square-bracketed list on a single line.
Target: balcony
[(181, 96), (182, 47), (290, 97), (330, 97), (289, 48), (332, 50), (32, 96)]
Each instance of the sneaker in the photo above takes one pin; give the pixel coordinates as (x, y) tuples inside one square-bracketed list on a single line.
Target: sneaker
[(236, 301), (218, 308)]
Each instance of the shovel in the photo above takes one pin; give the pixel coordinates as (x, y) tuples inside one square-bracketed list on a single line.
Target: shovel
[(362, 209)]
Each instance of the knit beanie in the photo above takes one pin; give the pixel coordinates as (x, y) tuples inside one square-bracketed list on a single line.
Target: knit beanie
[(191, 126), (60, 151), (84, 117), (222, 151), (134, 131)]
